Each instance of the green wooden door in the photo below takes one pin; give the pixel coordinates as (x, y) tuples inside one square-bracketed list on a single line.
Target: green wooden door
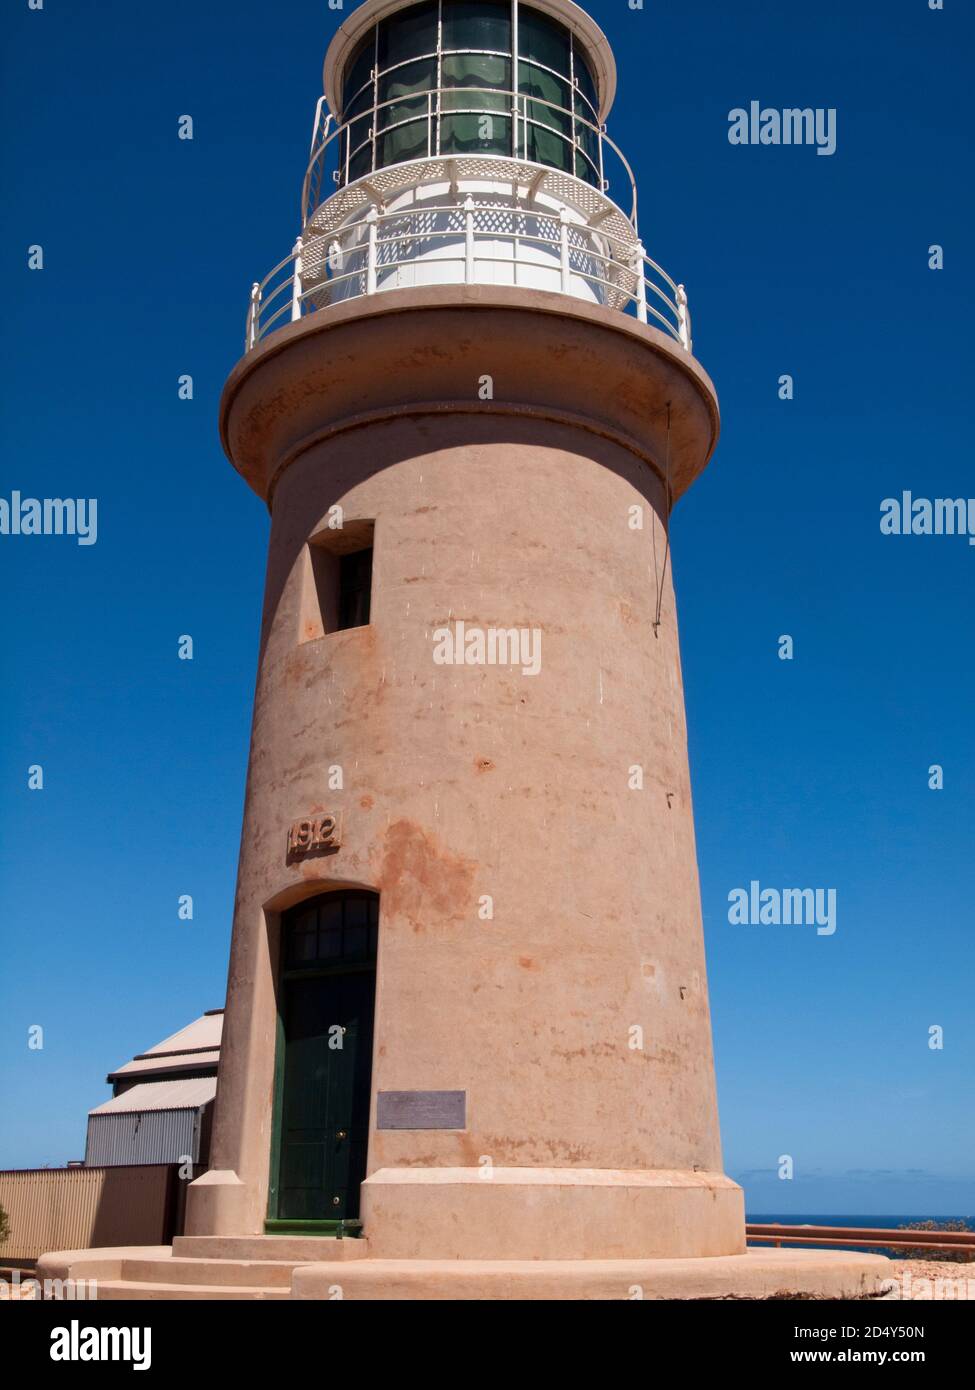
[(328, 987)]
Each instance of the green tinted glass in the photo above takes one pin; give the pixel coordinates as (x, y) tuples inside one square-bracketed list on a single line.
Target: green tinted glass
[(472, 75), (472, 111), (402, 92), (467, 134), (477, 24), (357, 77), (407, 34), (589, 106), (554, 97), (543, 40), (409, 141)]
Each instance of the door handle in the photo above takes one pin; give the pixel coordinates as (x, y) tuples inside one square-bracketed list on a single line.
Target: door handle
[(342, 1134)]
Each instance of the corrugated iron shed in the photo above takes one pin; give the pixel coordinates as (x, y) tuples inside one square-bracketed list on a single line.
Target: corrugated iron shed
[(162, 1105), (157, 1122)]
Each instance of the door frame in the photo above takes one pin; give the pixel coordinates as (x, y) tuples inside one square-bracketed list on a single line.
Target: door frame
[(273, 1223)]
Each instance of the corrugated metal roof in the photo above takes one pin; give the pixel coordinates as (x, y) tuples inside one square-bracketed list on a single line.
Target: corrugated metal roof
[(161, 1095), (196, 1045), (181, 1062), (203, 1032)]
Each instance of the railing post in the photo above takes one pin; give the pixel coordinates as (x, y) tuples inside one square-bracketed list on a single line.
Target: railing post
[(683, 318), (468, 240), (253, 315), (429, 125), (564, 248), (641, 282), (296, 283), (372, 219)]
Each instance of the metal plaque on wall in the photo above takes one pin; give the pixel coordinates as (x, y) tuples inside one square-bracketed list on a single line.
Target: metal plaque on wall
[(421, 1110)]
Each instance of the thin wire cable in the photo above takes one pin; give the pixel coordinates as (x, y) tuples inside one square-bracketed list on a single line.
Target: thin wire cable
[(669, 503)]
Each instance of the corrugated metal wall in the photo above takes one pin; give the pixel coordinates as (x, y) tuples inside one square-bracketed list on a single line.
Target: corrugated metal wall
[(151, 1136), (77, 1208)]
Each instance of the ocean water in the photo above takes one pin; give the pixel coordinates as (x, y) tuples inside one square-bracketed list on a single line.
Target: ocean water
[(877, 1223)]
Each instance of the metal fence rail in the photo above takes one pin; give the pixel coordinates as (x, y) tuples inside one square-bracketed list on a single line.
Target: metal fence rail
[(357, 260), (865, 1237), (356, 240)]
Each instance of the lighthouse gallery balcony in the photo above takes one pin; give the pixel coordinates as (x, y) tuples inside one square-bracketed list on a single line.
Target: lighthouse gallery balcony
[(448, 172)]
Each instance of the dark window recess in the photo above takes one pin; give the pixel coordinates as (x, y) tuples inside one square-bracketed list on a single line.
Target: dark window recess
[(355, 588)]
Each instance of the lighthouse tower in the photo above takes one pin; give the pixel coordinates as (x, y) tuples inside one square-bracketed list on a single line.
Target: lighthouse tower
[(467, 1015)]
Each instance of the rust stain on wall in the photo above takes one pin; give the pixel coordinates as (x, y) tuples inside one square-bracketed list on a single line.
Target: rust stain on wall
[(422, 879)]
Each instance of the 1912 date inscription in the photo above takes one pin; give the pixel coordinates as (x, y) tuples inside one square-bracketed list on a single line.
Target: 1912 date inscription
[(313, 835)]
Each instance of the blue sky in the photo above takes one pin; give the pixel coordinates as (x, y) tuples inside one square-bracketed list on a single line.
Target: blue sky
[(805, 773)]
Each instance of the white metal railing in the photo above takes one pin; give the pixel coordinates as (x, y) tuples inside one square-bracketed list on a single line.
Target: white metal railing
[(363, 257), (362, 134)]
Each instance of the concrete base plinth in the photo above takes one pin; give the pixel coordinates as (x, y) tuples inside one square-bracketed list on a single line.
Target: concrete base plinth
[(502, 1213), (271, 1267), (757, 1274)]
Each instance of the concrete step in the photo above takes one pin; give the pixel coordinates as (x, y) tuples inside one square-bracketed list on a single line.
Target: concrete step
[(297, 1249), (274, 1274), (125, 1291)]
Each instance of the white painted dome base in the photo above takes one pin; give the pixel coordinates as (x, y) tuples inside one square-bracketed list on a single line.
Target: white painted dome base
[(471, 220)]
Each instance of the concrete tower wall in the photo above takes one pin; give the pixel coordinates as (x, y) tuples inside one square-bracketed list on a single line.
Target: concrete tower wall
[(464, 781)]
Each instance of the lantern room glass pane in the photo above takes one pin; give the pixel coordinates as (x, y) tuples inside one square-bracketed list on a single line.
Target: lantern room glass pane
[(543, 40), (357, 86), (406, 117), (465, 134), (358, 96), (359, 144), (482, 124), (411, 140), (586, 83), (479, 70), (554, 106), (549, 134), (409, 82), (395, 120), (484, 24), (409, 33)]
